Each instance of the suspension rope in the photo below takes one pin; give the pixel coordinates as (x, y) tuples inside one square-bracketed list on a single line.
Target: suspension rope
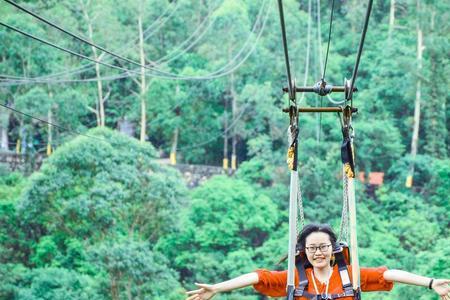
[(360, 49), (329, 40), (286, 53), (308, 46), (319, 39)]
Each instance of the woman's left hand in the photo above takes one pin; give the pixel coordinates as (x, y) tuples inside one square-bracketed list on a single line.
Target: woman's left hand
[(441, 286)]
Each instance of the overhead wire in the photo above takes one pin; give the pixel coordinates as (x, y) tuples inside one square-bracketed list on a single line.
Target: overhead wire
[(319, 41), (84, 40), (308, 46), (74, 132), (286, 52), (76, 36), (360, 49), (125, 47), (329, 40), (29, 35), (227, 69)]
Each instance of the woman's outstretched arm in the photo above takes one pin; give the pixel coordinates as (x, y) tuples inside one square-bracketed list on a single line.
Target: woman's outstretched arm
[(207, 291), (440, 286)]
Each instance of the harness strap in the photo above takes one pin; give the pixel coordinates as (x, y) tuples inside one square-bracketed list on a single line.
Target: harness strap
[(308, 295), (347, 287), (303, 280), (343, 273)]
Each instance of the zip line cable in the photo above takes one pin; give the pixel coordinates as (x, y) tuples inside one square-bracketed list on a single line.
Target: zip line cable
[(360, 49), (218, 73), (90, 65), (84, 40), (62, 48), (329, 39), (308, 46), (286, 53), (172, 76), (148, 32), (74, 132), (319, 42), (147, 35)]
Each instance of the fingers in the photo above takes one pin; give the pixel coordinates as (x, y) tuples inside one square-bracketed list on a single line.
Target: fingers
[(195, 291), (194, 297)]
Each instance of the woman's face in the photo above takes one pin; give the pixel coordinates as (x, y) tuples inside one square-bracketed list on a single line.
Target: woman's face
[(318, 249)]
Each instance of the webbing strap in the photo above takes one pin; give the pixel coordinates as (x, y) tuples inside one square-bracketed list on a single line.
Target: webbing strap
[(303, 280), (343, 273), (300, 291)]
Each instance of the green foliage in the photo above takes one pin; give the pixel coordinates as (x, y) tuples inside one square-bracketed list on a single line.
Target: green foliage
[(134, 267), (86, 225), (226, 222), (58, 284)]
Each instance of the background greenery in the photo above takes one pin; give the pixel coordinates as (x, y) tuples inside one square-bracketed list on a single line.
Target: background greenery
[(102, 220)]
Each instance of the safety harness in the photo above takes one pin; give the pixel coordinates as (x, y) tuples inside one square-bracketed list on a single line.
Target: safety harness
[(342, 255)]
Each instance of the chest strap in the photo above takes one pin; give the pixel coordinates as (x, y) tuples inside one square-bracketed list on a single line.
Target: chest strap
[(301, 290)]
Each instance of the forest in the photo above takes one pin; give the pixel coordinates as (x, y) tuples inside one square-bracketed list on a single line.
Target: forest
[(102, 218)]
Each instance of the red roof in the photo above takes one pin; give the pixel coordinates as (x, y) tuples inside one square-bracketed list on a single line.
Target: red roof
[(375, 178)]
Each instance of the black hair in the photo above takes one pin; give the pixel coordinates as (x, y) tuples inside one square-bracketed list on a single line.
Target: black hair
[(306, 231), (310, 228)]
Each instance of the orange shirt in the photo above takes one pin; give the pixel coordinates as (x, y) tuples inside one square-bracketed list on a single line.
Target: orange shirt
[(273, 283)]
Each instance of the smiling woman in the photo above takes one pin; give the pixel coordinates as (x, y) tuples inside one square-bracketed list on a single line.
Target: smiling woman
[(319, 244)]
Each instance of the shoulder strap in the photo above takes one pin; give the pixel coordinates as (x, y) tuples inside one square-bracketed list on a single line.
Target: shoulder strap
[(303, 280), (343, 273), (301, 290)]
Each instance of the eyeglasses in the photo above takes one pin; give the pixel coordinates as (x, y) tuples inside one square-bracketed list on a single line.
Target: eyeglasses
[(313, 249)]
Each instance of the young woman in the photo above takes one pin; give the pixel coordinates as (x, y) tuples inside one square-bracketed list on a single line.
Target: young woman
[(323, 277)]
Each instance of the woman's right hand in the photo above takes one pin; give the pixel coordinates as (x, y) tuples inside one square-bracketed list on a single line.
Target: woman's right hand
[(205, 292)]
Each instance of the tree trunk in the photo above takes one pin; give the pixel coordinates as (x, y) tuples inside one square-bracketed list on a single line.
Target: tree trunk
[(173, 151), (234, 114), (176, 131), (434, 109), (114, 287), (143, 86), (49, 136), (100, 111), (225, 135), (4, 122), (416, 126), (391, 19), (129, 295)]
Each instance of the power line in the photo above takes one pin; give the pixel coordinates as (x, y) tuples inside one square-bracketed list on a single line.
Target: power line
[(148, 32), (84, 40), (74, 132), (167, 75), (125, 47), (62, 48), (90, 43)]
